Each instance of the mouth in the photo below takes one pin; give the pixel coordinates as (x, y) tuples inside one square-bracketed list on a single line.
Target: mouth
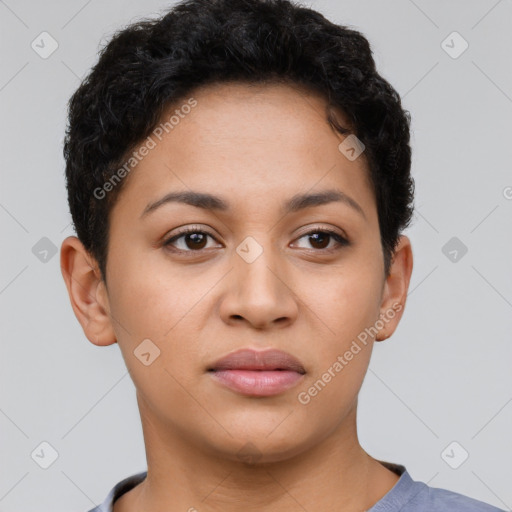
[(258, 373)]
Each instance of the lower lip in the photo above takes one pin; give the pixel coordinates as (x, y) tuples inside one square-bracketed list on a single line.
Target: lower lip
[(257, 382)]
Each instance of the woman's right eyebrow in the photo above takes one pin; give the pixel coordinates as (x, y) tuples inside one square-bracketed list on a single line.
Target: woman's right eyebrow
[(197, 199)]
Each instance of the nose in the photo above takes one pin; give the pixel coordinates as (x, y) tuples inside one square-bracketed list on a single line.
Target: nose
[(259, 294)]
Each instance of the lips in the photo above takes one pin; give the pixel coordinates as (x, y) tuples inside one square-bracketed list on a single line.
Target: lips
[(258, 373), (248, 359)]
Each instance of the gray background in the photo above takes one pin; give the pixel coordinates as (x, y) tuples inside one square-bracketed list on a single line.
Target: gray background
[(444, 376)]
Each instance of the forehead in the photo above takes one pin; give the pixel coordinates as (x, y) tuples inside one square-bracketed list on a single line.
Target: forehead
[(261, 113), (247, 141)]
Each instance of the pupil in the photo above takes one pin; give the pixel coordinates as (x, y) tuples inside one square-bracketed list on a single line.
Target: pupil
[(320, 238), (197, 239)]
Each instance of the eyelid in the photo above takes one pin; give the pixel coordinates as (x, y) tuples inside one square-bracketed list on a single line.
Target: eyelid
[(340, 238), (325, 229), (185, 231), (190, 228)]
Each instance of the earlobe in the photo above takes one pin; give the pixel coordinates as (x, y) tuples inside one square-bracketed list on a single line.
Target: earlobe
[(87, 292), (396, 287)]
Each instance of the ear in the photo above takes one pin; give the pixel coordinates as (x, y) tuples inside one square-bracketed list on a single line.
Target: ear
[(87, 292), (395, 289)]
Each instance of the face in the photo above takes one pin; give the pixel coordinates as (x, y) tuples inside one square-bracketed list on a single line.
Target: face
[(286, 255)]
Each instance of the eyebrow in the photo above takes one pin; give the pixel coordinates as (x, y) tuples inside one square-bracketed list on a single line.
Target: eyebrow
[(296, 203)]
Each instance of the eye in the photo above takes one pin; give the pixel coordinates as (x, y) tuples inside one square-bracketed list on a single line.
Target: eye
[(189, 240), (320, 239), (194, 239)]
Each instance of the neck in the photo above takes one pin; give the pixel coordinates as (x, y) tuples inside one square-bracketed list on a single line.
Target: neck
[(335, 474)]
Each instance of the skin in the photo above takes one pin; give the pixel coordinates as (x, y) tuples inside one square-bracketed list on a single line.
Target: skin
[(256, 147)]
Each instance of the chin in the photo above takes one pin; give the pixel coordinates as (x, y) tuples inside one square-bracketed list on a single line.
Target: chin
[(256, 448)]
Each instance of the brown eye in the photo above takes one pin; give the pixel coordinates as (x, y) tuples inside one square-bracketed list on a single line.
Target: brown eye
[(195, 240), (189, 241), (320, 239)]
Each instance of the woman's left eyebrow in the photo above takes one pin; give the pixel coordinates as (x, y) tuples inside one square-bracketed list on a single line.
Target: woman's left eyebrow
[(297, 202), (301, 201)]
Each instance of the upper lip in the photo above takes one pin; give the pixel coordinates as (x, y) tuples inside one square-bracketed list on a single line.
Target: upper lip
[(249, 359)]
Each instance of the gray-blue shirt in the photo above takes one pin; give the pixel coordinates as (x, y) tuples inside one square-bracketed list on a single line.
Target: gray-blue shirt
[(407, 495)]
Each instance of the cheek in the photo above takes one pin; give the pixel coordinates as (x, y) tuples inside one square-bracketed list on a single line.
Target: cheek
[(151, 302), (147, 297), (329, 395), (349, 308), (158, 338), (348, 301)]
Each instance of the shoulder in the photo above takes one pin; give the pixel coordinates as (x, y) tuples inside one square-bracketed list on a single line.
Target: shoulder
[(433, 499), (409, 495), (118, 490)]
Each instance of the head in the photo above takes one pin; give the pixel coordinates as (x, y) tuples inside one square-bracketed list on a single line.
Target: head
[(234, 122)]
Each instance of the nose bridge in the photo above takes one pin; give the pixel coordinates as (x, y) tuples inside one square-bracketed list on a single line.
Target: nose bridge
[(258, 293), (253, 262)]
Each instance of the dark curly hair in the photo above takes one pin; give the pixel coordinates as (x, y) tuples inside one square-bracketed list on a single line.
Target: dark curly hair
[(154, 63)]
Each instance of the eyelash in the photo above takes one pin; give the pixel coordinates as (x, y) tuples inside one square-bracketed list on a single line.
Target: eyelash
[(342, 242)]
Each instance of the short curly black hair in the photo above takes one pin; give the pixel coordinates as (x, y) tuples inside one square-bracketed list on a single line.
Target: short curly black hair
[(153, 63)]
